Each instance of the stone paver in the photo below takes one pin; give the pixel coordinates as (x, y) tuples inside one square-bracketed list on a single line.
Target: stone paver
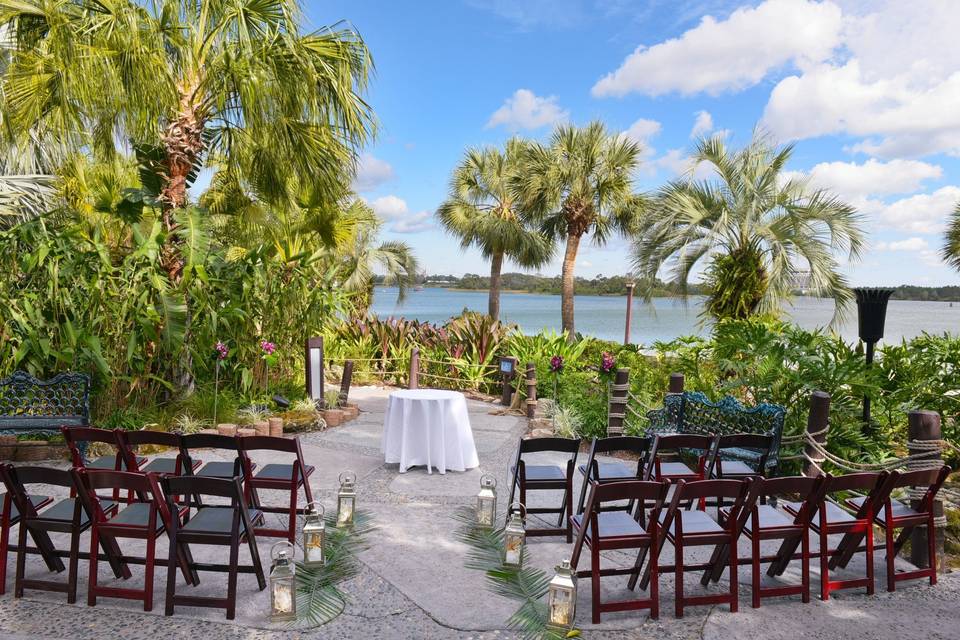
[(413, 583)]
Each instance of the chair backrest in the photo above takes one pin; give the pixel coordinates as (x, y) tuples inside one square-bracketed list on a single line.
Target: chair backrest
[(144, 485), (74, 436), (810, 492), (17, 479), (931, 479), (269, 443), (761, 444), (639, 446), (150, 437), (198, 485), (676, 441), (539, 445), (742, 492), (876, 485), (639, 491), (209, 441)]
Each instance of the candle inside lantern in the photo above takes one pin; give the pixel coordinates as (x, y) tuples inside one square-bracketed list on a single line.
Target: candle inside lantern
[(282, 598)]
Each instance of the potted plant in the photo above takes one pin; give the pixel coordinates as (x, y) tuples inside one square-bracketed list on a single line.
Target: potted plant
[(333, 415)]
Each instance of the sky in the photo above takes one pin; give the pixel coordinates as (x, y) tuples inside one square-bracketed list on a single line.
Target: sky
[(869, 92)]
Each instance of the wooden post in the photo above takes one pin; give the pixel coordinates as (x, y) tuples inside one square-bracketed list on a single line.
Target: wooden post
[(676, 383), (414, 380), (818, 421), (345, 384), (626, 330), (617, 408), (925, 425), (531, 390), (508, 371)]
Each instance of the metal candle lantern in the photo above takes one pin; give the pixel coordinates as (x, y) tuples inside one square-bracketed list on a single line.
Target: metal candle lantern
[(346, 499), (562, 597), (871, 316), (514, 536), (314, 534), (487, 501), (283, 588)]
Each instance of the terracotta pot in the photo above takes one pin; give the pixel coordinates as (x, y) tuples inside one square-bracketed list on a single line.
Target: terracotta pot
[(246, 432), (262, 428), (35, 450), (227, 429), (333, 417), (352, 411), (213, 432), (276, 427)]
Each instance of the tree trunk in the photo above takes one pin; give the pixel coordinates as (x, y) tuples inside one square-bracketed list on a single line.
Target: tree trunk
[(496, 264), (566, 298)]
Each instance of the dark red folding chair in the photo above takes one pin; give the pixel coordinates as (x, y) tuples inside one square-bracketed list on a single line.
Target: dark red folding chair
[(616, 470), (677, 446), (76, 436), (897, 515), (855, 525), (766, 522), (545, 477), (9, 517), (167, 465), (683, 528), (739, 455), (65, 516), (289, 477), (606, 529)]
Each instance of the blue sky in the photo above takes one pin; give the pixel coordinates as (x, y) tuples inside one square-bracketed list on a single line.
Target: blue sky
[(869, 91)]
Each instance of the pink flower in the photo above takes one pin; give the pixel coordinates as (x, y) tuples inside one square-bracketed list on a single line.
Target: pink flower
[(221, 351), (268, 347), (607, 362), (556, 364)]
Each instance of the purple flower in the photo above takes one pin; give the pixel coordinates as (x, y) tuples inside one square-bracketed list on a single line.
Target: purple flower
[(221, 351), (268, 347), (607, 362), (556, 364)]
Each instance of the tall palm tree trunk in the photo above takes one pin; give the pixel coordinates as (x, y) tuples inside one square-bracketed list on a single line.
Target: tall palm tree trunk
[(496, 265), (566, 293)]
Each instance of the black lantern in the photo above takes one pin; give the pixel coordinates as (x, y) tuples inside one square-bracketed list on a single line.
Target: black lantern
[(871, 316)]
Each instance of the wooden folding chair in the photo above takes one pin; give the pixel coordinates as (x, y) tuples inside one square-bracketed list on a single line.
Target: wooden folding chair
[(545, 477), (857, 525), (603, 529), (65, 516), (77, 437), (614, 471), (696, 528), (766, 522), (727, 459), (215, 469), (211, 525), (160, 464), (290, 477), (9, 517), (676, 445), (139, 521), (897, 515)]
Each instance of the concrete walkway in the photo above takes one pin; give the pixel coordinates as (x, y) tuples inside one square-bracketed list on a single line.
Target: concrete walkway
[(413, 583)]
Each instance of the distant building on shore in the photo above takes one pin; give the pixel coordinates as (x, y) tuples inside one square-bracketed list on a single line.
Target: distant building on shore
[(800, 282)]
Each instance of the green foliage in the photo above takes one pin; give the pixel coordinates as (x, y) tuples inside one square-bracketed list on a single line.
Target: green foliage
[(737, 282), (951, 246)]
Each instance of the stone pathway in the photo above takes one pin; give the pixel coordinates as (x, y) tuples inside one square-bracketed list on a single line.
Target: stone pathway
[(413, 583)]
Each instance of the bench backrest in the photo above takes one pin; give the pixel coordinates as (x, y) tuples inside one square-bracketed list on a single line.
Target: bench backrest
[(29, 404)]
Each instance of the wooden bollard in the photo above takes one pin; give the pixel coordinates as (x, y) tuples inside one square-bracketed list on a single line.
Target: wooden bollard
[(345, 384), (617, 408), (531, 379), (227, 429), (676, 383), (921, 426), (414, 380), (818, 421), (276, 427)]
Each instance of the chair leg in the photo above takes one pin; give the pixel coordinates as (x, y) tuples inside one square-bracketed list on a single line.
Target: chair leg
[(654, 580), (171, 576), (292, 518), (678, 576), (232, 579), (21, 561), (72, 570), (148, 572), (595, 581), (932, 548), (257, 565), (891, 568), (805, 567), (870, 580), (569, 510), (92, 578), (824, 565), (4, 542), (755, 571), (583, 494), (734, 586)]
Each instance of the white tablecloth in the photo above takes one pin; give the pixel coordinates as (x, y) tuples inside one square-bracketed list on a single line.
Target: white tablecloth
[(428, 427)]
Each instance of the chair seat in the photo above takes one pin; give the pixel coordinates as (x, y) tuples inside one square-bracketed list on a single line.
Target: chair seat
[(676, 470), (217, 520), (835, 513), (36, 501), (276, 471), (160, 465), (770, 518), (63, 511), (136, 514), (110, 462), (900, 510), (543, 473), (612, 524), (218, 469), (611, 471), (693, 522), (736, 468)]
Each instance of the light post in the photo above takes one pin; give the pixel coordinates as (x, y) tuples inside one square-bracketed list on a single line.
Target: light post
[(871, 316), (626, 330)]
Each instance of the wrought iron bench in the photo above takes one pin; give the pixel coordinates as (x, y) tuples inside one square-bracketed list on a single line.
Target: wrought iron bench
[(692, 412), (30, 406)]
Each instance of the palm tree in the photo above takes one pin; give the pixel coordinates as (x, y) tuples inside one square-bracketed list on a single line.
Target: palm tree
[(482, 211), (580, 184), (187, 83), (752, 228), (951, 250)]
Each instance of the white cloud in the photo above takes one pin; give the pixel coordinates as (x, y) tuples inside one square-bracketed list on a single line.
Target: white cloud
[(910, 244), (526, 110), (372, 172), (389, 207), (415, 223), (732, 54), (642, 130), (922, 213), (895, 83), (702, 125), (857, 182)]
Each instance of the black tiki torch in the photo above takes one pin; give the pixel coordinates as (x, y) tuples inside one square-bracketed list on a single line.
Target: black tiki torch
[(871, 315)]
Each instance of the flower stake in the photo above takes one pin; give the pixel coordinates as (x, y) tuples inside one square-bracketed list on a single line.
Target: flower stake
[(220, 353)]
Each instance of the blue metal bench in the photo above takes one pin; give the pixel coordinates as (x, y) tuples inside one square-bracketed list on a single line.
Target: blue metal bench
[(692, 412), (31, 406)]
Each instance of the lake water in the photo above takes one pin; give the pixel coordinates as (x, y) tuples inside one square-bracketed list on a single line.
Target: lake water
[(666, 319)]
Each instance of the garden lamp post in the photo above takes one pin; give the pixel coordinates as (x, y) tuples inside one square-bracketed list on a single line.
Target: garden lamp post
[(626, 330), (871, 315), (314, 364)]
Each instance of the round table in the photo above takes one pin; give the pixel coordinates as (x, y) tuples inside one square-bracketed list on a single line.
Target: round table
[(428, 427)]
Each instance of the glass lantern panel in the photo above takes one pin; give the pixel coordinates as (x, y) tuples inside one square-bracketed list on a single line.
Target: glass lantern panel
[(512, 549), (283, 600), (485, 508), (345, 511), (561, 607)]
